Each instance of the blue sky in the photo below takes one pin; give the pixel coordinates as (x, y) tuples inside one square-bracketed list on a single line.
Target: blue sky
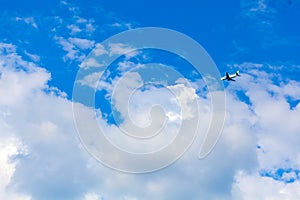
[(43, 45)]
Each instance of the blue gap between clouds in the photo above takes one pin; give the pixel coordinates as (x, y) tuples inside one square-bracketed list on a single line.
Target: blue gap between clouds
[(279, 173)]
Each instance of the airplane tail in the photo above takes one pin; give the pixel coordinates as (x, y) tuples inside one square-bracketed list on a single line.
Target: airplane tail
[(237, 73)]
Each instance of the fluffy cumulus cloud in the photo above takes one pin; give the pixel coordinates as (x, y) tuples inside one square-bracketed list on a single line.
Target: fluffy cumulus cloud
[(9, 147), (39, 152), (256, 187), (41, 157), (256, 146), (275, 110)]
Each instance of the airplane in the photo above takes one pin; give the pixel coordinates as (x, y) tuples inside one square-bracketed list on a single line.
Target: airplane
[(229, 77)]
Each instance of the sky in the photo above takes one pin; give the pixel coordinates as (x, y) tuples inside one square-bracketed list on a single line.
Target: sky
[(95, 105)]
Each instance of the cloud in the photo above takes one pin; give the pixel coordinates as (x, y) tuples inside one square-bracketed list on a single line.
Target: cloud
[(74, 29), (7, 48), (33, 57), (251, 186), (82, 25), (91, 62), (99, 50), (255, 106), (71, 6), (270, 101), (82, 43), (28, 20), (140, 112), (122, 25), (122, 49), (78, 24), (74, 47), (9, 147), (237, 146), (41, 156), (91, 196), (259, 6), (276, 135), (91, 80), (42, 121), (261, 14), (256, 7), (72, 52)]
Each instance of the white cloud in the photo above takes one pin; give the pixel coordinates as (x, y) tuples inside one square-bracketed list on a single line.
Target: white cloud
[(89, 27), (90, 62), (7, 48), (74, 29), (260, 6), (128, 66), (41, 157), (122, 49), (122, 25), (237, 147), (91, 80), (28, 20), (41, 120), (277, 134), (249, 186), (82, 43), (17, 86), (72, 52), (82, 25), (33, 57), (136, 108), (9, 147), (91, 196), (256, 7), (80, 20), (185, 95), (71, 7), (64, 2), (262, 12), (99, 50), (247, 125), (123, 67), (74, 47)]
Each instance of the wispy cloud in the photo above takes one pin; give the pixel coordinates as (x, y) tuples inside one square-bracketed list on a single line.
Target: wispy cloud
[(72, 52), (256, 7), (82, 25), (259, 6), (28, 20), (74, 47), (74, 29), (260, 11), (71, 7), (82, 43), (122, 49), (122, 25), (33, 57)]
